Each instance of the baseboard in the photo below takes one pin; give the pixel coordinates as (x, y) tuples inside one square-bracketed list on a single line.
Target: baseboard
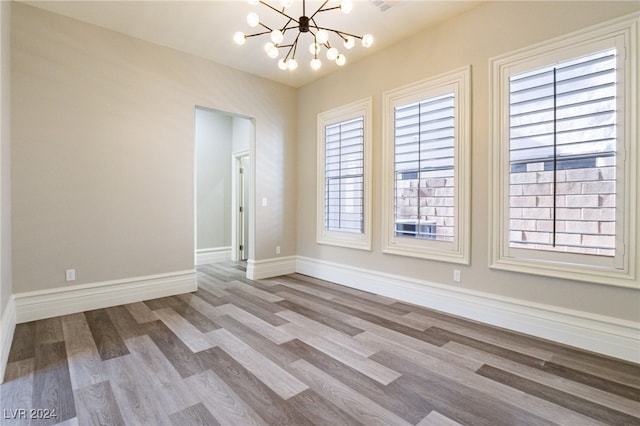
[(261, 269), (7, 328), (212, 255), (606, 335), (48, 303)]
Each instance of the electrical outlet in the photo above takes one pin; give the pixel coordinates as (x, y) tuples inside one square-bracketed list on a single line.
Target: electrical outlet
[(277, 249), (457, 276), (70, 275)]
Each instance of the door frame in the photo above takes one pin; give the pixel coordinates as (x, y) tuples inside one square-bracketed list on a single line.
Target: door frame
[(236, 202)]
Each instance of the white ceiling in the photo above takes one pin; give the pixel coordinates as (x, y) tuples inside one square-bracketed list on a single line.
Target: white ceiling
[(205, 28)]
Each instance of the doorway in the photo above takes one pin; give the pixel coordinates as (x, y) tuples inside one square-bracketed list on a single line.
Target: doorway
[(222, 187)]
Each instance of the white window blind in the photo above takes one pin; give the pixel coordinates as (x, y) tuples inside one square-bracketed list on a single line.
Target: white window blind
[(562, 148), (424, 168), (344, 179)]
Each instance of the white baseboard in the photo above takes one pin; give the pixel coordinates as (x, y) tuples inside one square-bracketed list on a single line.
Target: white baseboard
[(7, 328), (212, 255), (48, 303), (261, 269), (606, 335)]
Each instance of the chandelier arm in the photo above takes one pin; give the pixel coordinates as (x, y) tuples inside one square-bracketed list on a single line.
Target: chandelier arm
[(319, 9), (340, 33), (281, 12), (327, 9), (326, 44), (295, 46), (315, 43), (289, 28), (257, 34), (284, 27), (291, 46)]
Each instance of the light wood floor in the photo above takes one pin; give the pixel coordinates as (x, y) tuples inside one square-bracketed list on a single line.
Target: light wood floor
[(296, 350)]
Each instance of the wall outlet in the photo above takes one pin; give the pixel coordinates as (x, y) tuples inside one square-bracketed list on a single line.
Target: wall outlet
[(457, 276), (70, 275), (277, 249)]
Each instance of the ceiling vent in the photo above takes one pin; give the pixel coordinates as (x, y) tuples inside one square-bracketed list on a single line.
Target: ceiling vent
[(382, 4)]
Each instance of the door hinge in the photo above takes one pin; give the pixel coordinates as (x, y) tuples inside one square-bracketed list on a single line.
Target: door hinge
[(241, 247), (241, 170), (241, 210)]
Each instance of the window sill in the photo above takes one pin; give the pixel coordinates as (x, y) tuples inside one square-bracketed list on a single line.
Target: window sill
[(584, 273)]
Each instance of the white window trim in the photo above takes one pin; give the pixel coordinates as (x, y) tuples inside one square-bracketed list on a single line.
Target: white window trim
[(361, 241), (458, 251), (500, 255)]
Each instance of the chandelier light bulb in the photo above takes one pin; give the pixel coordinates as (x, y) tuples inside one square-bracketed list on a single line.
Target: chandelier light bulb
[(253, 19), (314, 48), (253, 2), (322, 36), (286, 3), (292, 64), (239, 38), (277, 36), (367, 40), (273, 52), (271, 49), (316, 64), (332, 54), (349, 42), (282, 64), (346, 6), (341, 60)]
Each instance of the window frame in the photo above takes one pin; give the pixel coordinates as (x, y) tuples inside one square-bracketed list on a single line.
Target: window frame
[(458, 251), (620, 270), (354, 240)]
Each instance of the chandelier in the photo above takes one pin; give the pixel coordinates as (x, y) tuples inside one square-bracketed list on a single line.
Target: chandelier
[(304, 25)]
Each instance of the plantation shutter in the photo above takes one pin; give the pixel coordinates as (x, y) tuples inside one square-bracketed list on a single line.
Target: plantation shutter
[(344, 181), (562, 128), (424, 168)]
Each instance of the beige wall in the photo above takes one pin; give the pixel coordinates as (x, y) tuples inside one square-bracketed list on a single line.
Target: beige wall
[(103, 152), (5, 156), (472, 38)]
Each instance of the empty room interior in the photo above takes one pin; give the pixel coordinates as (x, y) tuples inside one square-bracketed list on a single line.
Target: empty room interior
[(319, 212)]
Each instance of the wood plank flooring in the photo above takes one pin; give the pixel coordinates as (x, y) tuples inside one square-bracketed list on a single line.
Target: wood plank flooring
[(295, 350)]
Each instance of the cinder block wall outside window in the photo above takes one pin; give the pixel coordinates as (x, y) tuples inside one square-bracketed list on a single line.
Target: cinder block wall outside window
[(585, 208), (430, 198)]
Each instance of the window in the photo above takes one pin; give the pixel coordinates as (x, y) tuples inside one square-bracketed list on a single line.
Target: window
[(344, 176), (562, 127), (344, 189), (426, 131), (562, 149)]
